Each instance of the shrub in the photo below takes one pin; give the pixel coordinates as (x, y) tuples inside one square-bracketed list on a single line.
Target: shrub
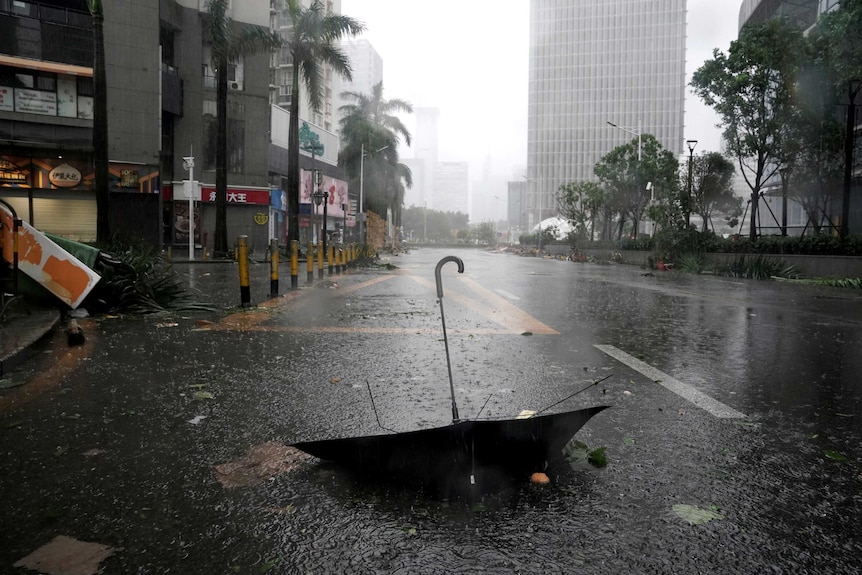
[(758, 267)]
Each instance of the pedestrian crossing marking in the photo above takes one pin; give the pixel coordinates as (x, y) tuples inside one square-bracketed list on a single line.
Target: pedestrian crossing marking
[(489, 305)]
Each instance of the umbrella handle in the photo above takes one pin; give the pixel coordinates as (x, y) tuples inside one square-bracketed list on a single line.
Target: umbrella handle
[(455, 259), (455, 417)]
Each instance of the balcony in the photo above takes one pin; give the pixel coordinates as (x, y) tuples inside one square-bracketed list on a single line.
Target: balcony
[(40, 32)]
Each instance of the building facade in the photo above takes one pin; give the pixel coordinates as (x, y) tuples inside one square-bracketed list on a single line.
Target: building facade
[(778, 192), (161, 111), (591, 63)]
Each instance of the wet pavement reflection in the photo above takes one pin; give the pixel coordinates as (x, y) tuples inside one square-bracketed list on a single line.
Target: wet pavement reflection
[(121, 446)]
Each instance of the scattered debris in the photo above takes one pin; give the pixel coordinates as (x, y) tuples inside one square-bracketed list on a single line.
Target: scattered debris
[(539, 479), (697, 515), (260, 464), (93, 452), (75, 335), (7, 383), (202, 395), (167, 324), (334, 380), (197, 419), (67, 556)]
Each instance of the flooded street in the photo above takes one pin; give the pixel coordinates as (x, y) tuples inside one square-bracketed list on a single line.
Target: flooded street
[(735, 398)]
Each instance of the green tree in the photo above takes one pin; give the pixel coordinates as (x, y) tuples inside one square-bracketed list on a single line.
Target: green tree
[(712, 188), (625, 177), (839, 49), (312, 43), (581, 203), (486, 234), (370, 126), (752, 88), (228, 44), (100, 126)]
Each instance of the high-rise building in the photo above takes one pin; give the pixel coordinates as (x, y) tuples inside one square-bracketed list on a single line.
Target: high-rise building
[(451, 187), (425, 157), (366, 71), (591, 63), (281, 80)]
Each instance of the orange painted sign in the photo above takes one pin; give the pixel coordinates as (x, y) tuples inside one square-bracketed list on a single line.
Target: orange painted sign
[(57, 270)]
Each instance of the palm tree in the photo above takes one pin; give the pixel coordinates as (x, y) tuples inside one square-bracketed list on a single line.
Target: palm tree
[(228, 45), (100, 125), (311, 44), (370, 124)]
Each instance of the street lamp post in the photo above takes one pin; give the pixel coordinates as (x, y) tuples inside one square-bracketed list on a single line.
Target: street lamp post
[(785, 178), (640, 148), (362, 189), (321, 196), (691, 144), (638, 134)]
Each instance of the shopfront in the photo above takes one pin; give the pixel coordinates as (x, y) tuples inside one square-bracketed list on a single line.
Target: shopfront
[(56, 194), (249, 213)]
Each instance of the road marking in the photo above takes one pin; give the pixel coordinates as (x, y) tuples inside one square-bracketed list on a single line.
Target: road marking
[(493, 307), (700, 399), (513, 319), (508, 295)]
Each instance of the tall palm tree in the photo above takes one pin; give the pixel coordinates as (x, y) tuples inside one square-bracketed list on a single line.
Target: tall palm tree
[(228, 44), (370, 123), (312, 45), (100, 125)]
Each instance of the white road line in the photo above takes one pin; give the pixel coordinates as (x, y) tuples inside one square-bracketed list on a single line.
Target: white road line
[(508, 295), (700, 399)]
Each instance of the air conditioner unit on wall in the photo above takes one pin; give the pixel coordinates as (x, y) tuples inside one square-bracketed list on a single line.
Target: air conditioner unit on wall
[(235, 85)]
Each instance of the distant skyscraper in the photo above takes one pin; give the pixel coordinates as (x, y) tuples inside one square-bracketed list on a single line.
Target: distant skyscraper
[(620, 61), (451, 187), (425, 146), (367, 66)]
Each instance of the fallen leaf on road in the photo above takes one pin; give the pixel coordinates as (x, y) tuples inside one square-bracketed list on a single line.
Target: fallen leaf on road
[(67, 556), (167, 324), (261, 463)]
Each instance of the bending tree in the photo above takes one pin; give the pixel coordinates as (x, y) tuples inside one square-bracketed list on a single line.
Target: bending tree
[(712, 189), (580, 204), (625, 177), (228, 44), (370, 127), (752, 89), (312, 43)]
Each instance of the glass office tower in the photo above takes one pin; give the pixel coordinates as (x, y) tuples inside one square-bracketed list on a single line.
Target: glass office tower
[(594, 62)]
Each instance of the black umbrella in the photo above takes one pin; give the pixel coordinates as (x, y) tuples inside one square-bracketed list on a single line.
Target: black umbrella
[(455, 452)]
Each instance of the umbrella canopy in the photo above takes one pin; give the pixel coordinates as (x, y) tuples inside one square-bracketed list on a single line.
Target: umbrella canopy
[(563, 227)]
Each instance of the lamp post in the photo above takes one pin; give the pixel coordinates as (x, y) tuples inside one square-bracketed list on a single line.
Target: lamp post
[(314, 148), (362, 189), (691, 144), (343, 222), (640, 148), (638, 134), (321, 196), (785, 178)]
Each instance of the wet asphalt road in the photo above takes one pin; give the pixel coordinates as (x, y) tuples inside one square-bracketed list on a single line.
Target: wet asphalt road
[(99, 443)]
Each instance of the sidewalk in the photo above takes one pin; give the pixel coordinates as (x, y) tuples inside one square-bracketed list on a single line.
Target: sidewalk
[(19, 330)]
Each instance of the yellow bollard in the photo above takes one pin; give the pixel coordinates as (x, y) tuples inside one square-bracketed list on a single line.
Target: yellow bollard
[(309, 260), (294, 264), (273, 268), (242, 254)]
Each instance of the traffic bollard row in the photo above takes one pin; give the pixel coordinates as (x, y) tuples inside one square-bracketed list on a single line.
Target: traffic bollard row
[(338, 261)]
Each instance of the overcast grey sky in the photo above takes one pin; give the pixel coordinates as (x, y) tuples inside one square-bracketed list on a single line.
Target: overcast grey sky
[(469, 59)]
